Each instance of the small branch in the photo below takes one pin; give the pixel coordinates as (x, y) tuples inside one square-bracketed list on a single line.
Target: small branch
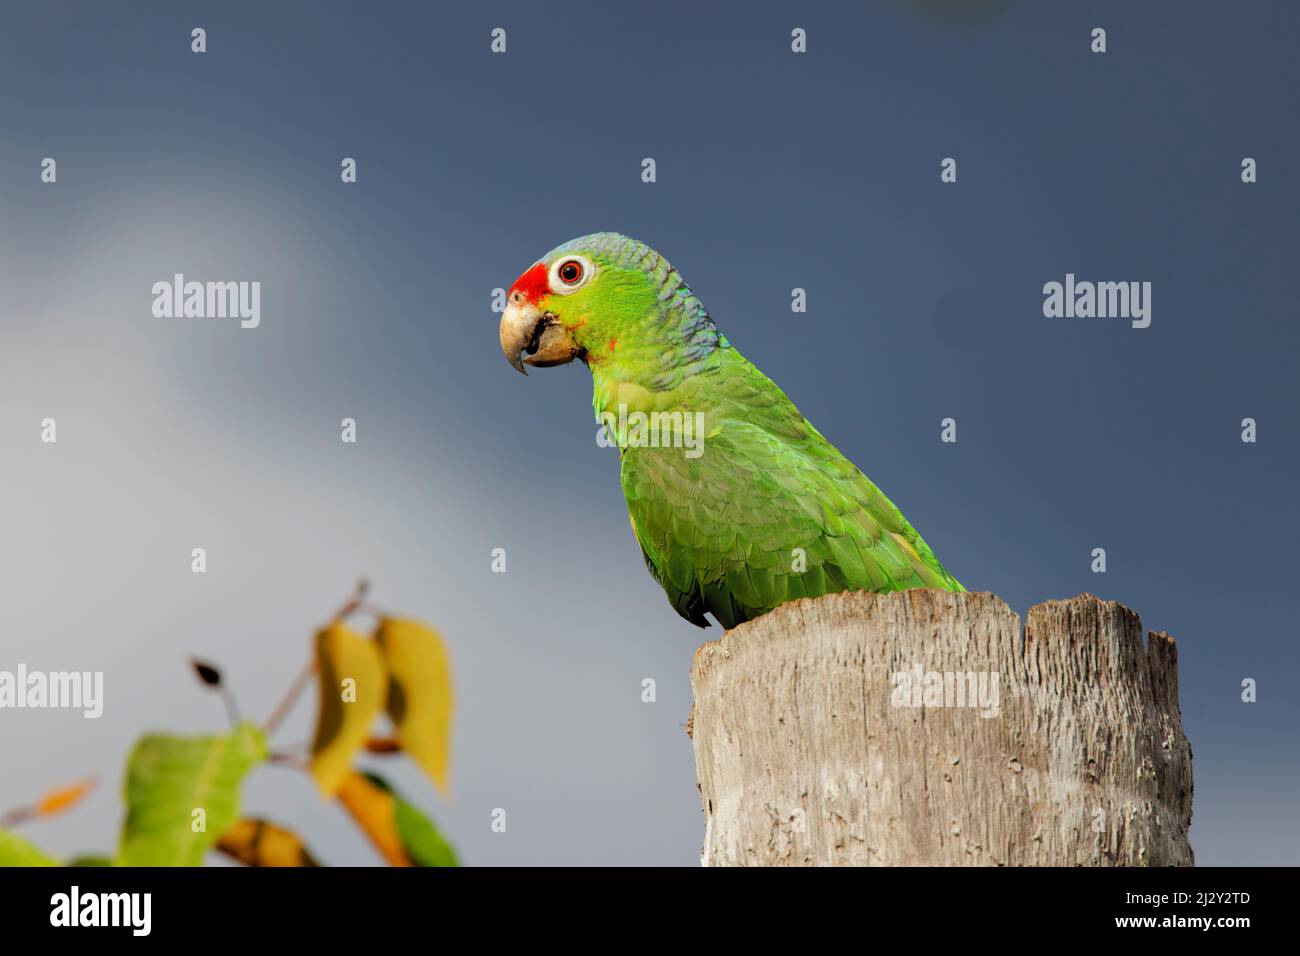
[(354, 602), (232, 708), (286, 704), (294, 761), (282, 709), (15, 817)]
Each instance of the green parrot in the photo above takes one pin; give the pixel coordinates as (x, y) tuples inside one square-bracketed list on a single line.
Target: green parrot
[(738, 502)]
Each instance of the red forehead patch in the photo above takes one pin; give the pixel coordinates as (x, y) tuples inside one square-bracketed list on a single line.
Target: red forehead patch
[(533, 284)]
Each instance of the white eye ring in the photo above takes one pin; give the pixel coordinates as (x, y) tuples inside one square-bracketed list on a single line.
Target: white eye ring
[(562, 286)]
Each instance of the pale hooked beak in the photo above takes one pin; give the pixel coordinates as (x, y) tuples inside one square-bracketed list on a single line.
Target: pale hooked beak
[(527, 331)]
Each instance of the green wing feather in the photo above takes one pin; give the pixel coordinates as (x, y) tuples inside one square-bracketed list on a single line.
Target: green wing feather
[(769, 512)]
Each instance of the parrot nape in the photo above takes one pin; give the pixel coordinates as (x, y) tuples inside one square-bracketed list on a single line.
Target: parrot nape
[(767, 510)]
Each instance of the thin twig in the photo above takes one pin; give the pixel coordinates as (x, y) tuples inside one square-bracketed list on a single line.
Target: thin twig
[(286, 704), (359, 595), (15, 817), (232, 708), (282, 709), (296, 761)]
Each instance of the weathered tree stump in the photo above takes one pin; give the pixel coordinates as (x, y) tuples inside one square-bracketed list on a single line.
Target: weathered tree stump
[(811, 750)]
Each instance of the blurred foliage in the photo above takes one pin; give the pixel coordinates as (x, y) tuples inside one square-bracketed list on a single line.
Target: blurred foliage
[(419, 695), (183, 793), (259, 843), (15, 851), (404, 835), (353, 687)]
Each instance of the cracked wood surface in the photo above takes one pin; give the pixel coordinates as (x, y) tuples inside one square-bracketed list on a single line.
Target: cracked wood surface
[(1057, 745)]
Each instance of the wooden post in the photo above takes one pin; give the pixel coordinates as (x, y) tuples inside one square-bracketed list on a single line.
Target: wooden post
[(1061, 745)]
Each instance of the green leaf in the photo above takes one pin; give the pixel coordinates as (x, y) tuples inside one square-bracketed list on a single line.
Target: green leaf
[(168, 779), (15, 851), (353, 687), (421, 841), (90, 860), (420, 693)]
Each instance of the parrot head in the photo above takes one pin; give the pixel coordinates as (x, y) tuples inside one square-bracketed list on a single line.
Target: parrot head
[(589, 299)]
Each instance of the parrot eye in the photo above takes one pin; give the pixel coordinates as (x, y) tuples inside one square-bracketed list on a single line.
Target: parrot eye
[(570, 274)]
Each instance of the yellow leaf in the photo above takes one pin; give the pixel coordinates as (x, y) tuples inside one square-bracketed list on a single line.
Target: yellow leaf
[(375, 811), (353, 687), (255, 842), (56, 801), (419, 694)]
